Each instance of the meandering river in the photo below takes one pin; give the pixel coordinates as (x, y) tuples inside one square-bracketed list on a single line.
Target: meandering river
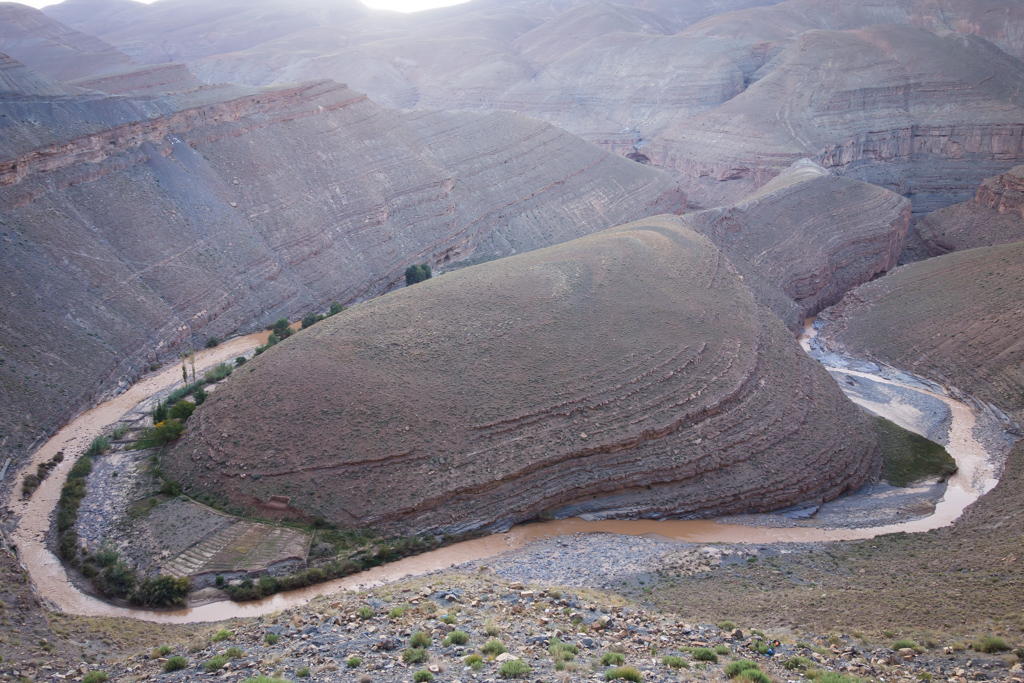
[(975, 477)]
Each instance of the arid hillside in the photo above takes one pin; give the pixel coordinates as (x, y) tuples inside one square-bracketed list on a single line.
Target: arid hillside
[(956, 318), (807, 237), (919, 96), (995, 215), (135, 227), (629, 372)]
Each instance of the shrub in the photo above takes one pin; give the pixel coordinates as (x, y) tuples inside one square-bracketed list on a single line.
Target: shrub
[(904, 643), (613, 659), (218, 372), (160, 433), (212, 342), (721, 650), (726, 625), (449, 619), (302, 672), (240, 361), (562, 651), (95, 677), (753, 676), (29, 484), (365, 613), (493, 647), (675, 662), (991, 644), (514, 668), (163, 591), (234, 652), (264, 679), (200, 396), (423, 676), (99, 446), (397, 612), (835, 677), (417, 273), (160, 411), (353, 661), (491, 629), (420, 639), (170, 488), (414, 655), (215, 663), (733, 669), (271, 638), (763, 648), (222, 635), (798, 663), (311, 319), (336, 308), (182, 410), (175, 663), (456, 638), (162, 651), (624, 672), (704, 654), (282, 329), (474, 662)]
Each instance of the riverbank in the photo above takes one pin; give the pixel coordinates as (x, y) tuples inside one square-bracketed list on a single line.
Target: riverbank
[(975, 476)]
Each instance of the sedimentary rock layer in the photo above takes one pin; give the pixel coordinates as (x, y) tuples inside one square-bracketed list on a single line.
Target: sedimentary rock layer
[(994, 216), (926, 116), (956, 318), (628, 372), (808, 237), (134, 228)]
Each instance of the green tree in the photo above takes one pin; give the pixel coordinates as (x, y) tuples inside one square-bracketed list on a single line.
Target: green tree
[(336, 307), (417, 273)]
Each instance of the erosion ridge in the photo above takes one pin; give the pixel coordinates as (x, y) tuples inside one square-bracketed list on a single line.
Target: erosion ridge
[(537, 383), (808, 237), (879, 112), (152, 223), (956, 319), (995, 215)]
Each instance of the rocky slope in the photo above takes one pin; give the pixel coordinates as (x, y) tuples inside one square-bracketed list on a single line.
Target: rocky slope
[(625, 373), (135, 227), (873, 104), (807, 237), (995, 215), (955, 318), (726, 95)]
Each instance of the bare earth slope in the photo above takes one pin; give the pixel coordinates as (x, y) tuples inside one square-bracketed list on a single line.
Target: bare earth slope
[(995, 215), (629, 372), (956, 318), (876, 104), (133, 228), (807, 237)]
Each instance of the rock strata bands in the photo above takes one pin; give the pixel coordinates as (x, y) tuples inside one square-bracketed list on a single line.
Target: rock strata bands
[(133, 228), (627, 373)]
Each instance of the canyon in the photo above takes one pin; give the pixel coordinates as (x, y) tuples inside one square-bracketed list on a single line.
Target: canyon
[(630, 210)]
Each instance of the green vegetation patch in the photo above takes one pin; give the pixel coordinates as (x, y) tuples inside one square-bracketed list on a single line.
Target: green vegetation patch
[(908, 457)]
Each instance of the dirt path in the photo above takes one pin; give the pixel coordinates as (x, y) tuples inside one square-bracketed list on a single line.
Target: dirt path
[(974, 478)]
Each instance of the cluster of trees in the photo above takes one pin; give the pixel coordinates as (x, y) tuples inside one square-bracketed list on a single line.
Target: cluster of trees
[(417, 273), (281, 329), (32, 481)]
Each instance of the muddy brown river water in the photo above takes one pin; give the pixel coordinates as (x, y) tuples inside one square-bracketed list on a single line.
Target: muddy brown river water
[(975, 477)]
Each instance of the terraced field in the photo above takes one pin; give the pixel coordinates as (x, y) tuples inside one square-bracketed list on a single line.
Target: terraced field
[(242, 546), (626, 373)]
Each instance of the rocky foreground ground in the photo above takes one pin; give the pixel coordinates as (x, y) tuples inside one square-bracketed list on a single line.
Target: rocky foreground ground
[(368, 637)]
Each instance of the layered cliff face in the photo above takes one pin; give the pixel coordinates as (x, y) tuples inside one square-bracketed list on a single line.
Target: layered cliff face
[(995, 215), (955, 318), (133, 228), (808, 237), (873, 104), (628, 372), (725, 95)]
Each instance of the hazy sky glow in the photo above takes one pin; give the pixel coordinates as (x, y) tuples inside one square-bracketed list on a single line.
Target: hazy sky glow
[(396, 5)]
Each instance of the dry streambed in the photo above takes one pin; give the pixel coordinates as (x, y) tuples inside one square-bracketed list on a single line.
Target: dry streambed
[(976, 476)]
